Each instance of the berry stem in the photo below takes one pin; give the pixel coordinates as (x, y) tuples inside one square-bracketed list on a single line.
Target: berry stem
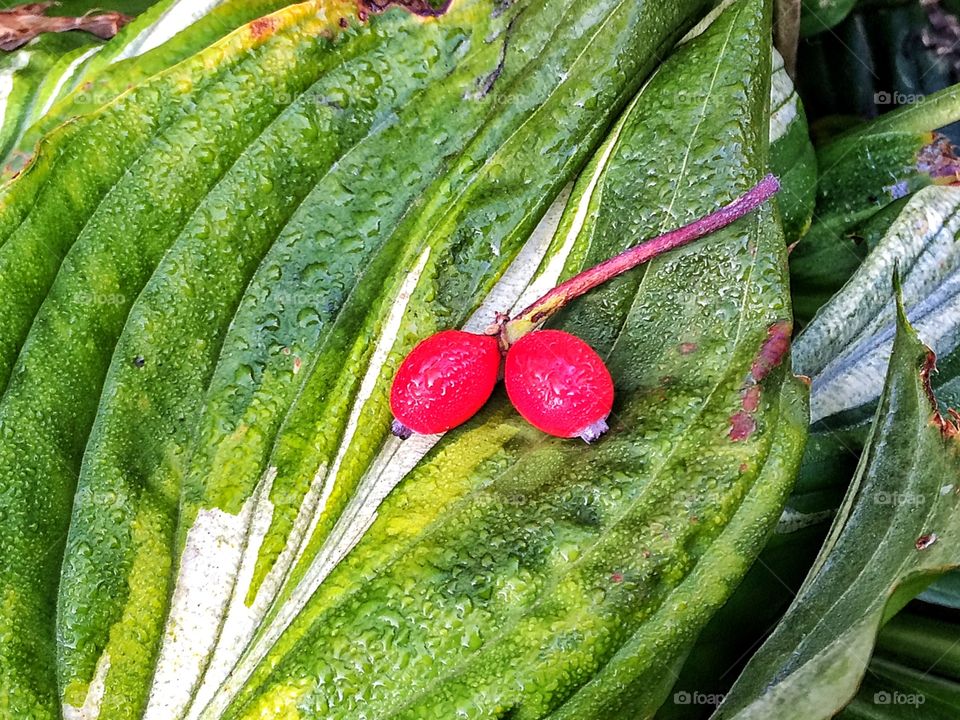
[(541, 310)]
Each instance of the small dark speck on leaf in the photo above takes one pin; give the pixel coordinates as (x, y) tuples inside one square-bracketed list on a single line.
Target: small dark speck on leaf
[(925, 541), (139, 361)]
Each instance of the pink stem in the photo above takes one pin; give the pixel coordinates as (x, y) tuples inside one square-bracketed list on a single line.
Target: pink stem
[(576, 286)]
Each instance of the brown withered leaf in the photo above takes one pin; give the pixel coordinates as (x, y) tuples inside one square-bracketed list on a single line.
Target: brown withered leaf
[(786, 32), (22, 23)]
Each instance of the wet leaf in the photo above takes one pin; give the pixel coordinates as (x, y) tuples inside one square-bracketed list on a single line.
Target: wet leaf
[(192, 277), (58, 77), (861, 172), (23, 23), (486, 522), (847, 345), (897, 530)]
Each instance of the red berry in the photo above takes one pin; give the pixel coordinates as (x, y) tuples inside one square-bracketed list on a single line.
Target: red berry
[(559, 384), (443, 382)]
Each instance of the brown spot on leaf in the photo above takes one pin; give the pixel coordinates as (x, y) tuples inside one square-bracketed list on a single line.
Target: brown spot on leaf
[(262, 27), (687, 348), (485, 84), (617, 577), (751, 399), (950, 425), (773, 350), (925, 541), (423, 8), (741, 426), (343, 22), (22, 23)]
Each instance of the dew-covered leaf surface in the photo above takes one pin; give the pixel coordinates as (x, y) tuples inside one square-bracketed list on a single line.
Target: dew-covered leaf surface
[(897, 529), (209, 278)]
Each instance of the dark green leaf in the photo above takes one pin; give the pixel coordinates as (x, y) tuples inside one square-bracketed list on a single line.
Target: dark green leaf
[(898, 528)]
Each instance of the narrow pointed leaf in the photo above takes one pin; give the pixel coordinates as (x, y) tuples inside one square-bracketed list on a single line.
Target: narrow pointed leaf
[(897, 529), (846, 347), (848, 343)]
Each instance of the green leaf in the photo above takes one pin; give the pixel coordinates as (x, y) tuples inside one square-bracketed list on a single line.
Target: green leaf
[(792, 157), (914, 671), (925, 643), (205, 260), (741, 625), (860, 173), (818, 273), (521, 547), (897, 529), (850, 339), (893, 692), (22, 76), (945, 591), (848, 343), (816, 16), (73, 74)]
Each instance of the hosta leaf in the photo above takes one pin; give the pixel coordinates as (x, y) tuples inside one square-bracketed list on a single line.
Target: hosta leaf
[(69, 222), (513, 574), (83, 75), (291, 179), (741, 625), (849, 342), (860, 173), (846, 346), (22, 77), (898, 528), (792, 157)]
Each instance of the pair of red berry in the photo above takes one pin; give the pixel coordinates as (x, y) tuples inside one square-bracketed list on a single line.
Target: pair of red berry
[(554, 379)]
